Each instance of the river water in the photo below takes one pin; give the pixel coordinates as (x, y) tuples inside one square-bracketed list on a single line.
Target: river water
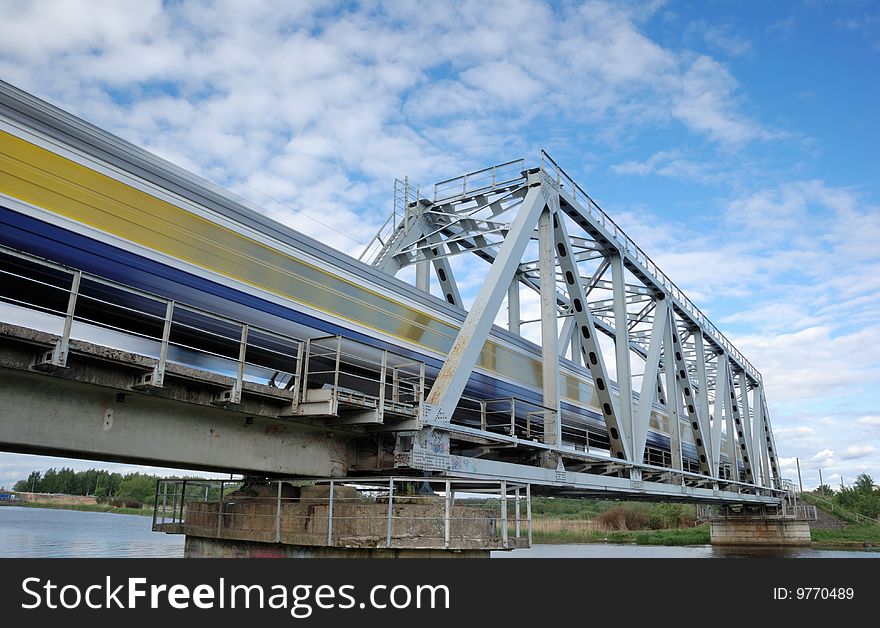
[(48, 533)]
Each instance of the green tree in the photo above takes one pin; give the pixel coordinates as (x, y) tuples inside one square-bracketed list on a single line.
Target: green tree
[(864, 484), (137, 487)]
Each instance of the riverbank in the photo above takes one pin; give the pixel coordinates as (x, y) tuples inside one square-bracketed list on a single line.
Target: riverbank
[(147, 511), (550, 532), (855, 536), (561, 532)]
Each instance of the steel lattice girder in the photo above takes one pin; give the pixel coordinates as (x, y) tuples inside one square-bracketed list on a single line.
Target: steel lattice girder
[(641, 310)]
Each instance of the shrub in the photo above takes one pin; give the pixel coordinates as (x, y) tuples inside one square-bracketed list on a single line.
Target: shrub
[(622, 518)]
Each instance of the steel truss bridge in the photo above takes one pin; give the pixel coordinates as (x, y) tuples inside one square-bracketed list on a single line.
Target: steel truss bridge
[(149, 316)]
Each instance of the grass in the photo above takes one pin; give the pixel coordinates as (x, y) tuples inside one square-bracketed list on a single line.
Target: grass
[(549, 531), (853, 535), (146, 512)]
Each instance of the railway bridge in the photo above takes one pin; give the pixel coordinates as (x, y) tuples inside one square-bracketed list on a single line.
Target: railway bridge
[(149, 316)]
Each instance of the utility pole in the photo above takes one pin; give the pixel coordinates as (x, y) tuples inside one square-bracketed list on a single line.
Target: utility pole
[(821, 484), (800, 481)]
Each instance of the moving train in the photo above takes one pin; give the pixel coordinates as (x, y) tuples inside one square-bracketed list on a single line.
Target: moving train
[(79, 196)]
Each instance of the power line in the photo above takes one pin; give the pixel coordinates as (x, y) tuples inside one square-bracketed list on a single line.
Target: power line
[(303, 213)]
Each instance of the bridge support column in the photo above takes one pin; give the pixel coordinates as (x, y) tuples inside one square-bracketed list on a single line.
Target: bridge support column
[(201, 547), (395, 518), (760, 531)]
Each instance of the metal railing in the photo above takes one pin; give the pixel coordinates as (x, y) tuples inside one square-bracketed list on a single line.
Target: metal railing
[(402, 215), (385, 513), (361, 375), (480, 180), (515, 416), (844, 513), (636, 254), (80, 306)]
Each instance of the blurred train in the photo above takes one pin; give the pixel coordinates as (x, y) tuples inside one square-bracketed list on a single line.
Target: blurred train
[(76, 195)]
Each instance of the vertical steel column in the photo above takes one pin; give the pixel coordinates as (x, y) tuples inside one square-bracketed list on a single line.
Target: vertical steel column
[(729, 422), (673, 395), (576, 350), (621, 353), (744, 450), (423, 275), (703, 390), (513, 307), (648, 392), (745, 413), (761, 438), (549, 334), (718, 409)]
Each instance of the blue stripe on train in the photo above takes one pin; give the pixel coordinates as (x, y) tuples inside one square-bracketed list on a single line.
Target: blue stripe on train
[(104, 260)]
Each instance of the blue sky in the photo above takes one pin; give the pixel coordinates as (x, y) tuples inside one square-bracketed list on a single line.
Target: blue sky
[(735, 141)]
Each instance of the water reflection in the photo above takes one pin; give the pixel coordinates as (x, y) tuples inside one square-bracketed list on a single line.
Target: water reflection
[(608, 550), (47, 533)]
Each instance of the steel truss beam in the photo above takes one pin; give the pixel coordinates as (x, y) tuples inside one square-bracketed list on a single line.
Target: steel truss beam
[(690, 369)]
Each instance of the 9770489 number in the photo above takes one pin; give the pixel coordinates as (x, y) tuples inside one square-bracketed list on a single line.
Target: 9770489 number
[(814, 593)]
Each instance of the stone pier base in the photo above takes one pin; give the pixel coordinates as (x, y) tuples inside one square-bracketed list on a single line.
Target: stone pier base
[(200, 547), (759, 531)]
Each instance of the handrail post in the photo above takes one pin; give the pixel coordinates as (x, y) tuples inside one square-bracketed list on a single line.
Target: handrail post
[(155, 503), (516, 511), (182, 501), (220, 510), (242, 354), (447, 516), (297, 377), (305, 370), (383, 372), (504, 514), (159, 370), (330, 517), (278, 515), (529, 511), (59, 353), (338, 360), (390, 517)]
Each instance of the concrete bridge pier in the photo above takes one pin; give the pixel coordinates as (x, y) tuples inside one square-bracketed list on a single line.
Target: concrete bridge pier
[(786, 527), (341, 518)]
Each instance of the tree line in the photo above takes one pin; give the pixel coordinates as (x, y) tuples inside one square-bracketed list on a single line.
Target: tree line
[(863, 497), (105, 486)]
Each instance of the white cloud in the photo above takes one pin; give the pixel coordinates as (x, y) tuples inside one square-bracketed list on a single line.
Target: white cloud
[(857, 451), (794, 433), (870, 420), (823, 458)]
